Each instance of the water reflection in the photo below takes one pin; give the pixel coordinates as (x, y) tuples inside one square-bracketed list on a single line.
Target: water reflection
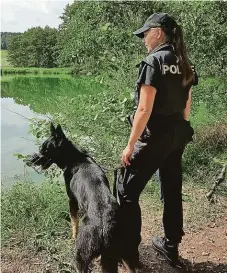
[(14, 129)]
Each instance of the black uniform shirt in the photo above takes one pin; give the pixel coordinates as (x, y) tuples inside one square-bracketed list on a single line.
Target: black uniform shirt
[(161, 70)]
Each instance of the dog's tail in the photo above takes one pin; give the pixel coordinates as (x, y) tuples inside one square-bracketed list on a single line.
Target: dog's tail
[(110, 253), (109, 227), (88, 245), (99, 240)]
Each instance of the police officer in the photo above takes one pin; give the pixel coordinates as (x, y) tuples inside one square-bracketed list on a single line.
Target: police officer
[(160, 131)]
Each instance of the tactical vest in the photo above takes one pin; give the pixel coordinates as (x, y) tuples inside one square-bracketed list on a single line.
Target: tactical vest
[(171, 96)]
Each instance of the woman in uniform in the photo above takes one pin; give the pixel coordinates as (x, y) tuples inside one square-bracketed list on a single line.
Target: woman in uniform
[(160, 131)]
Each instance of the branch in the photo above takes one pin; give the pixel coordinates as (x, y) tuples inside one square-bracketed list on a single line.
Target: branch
[(218, 181)]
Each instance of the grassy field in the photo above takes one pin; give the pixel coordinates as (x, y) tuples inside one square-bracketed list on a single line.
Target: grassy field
[(4, 62)]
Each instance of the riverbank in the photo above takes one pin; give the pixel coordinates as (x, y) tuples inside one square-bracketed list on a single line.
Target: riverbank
[(36, 225), (36, 70)]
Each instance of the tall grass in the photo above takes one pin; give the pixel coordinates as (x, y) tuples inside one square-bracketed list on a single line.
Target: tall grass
[(32, 211), (209, 147)]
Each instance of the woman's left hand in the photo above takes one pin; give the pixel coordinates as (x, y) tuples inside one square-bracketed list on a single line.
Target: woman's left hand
[(127, 155)]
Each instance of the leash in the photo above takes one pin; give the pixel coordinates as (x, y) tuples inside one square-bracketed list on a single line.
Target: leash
[(109, 169), (115, 171), (104, 169)]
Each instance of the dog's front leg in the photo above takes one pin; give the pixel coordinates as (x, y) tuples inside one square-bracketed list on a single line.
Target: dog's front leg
[(74, 219)]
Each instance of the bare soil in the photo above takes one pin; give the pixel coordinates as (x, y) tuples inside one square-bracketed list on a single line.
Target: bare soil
[(203, 248)]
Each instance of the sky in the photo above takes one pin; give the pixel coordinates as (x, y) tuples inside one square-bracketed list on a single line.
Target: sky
[(19, 15)]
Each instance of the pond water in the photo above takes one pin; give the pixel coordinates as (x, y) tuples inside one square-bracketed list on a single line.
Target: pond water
[(30, 97), (16, 139)]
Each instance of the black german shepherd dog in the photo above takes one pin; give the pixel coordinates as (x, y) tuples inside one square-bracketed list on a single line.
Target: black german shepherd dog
[(89, 192)]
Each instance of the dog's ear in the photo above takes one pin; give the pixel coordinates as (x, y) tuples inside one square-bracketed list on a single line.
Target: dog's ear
[(52, 129), (59, 132)]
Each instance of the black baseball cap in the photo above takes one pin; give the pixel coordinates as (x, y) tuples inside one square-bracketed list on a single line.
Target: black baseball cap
[(162, 20)]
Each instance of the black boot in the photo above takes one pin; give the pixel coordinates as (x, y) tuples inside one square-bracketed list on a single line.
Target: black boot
[(168, 249)]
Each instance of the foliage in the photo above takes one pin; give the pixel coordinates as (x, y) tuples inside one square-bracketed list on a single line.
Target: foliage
[(101, 42), (5, 36), (35, 47), (99, 36), (204, 25), (209, 102), (97, 39), (100, 33)]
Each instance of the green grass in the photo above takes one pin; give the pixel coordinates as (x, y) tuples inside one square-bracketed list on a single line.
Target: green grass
[(4, 62), (36, 211), (36, 223), (39, 214)]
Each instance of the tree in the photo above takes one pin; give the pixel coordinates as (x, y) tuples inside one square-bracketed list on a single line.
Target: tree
[(99, 33), (5, 36), (36, 47)]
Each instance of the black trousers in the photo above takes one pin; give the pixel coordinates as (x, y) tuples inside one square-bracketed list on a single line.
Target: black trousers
[(162, 150)]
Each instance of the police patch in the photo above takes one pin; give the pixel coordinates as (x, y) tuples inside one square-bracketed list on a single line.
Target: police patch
[(173, 69)]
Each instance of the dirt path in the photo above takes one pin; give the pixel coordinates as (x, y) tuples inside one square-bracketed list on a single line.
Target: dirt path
[(202, 250)]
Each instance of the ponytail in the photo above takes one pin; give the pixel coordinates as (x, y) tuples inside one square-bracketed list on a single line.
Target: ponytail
[(175, 37)]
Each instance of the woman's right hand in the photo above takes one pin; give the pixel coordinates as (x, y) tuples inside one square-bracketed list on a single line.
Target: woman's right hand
[(127, 155)]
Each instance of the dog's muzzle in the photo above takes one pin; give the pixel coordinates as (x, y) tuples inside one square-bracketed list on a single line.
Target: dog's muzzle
[(38, 162)]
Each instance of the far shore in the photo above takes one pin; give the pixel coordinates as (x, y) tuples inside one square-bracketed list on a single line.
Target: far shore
[(35, 70)]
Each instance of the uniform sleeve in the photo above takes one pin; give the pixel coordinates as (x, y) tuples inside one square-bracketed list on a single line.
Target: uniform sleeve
[(148, 75)]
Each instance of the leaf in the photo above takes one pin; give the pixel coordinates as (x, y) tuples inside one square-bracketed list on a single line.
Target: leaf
[(19, 156), (105, 27), (220, 161), (38, 134), (124, 100)]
